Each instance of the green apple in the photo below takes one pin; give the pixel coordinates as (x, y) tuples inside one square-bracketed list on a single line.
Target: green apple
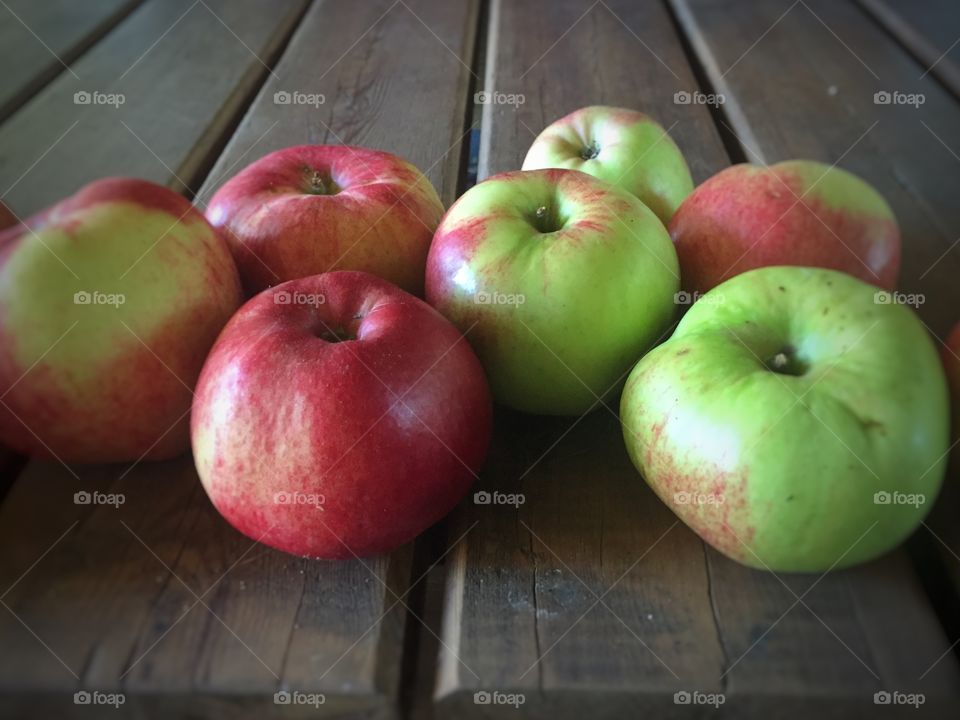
[(559, 280), (797, 420), (623, 147)]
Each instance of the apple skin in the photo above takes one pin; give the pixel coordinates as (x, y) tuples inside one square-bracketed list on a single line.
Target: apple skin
[(749, 216), (311, 209), (785, 464), (388, 428), (98, 383), (951, 362), (623, 147), (597, 276)]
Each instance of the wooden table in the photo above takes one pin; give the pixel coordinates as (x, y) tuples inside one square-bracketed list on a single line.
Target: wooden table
[(590, 599)]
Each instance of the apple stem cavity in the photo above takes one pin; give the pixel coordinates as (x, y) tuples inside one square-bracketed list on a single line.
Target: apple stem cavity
[(545, 220), (589, 152), (336, 335), (786, 362), (320, 184)]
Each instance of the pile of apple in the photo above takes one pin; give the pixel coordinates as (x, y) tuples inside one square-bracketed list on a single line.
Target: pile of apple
[(797, 417)]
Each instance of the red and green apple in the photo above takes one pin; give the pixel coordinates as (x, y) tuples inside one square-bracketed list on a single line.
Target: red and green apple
[(623, 147), (797, 212), (339, 416), (315, 208), (798, 425), (109, 302), (560, 281)]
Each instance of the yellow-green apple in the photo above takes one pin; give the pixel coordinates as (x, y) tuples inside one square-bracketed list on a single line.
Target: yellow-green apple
[(315, 208), (109, 302), (951, 361), (623, 147), (561, 282), (339, 416), (798, 425), (797, 212)]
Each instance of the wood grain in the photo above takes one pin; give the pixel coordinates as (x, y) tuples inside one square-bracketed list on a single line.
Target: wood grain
[(184, 69), (929, 29), (40, 40)]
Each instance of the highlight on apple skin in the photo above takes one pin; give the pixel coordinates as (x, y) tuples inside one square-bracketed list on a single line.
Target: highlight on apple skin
[(559, 280), (793, 421), (338, 416), (311, 209), (623, 147), (797, 212), (111, 299)]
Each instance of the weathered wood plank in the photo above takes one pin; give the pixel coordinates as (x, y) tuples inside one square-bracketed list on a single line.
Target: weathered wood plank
[(929, 29), (590, 600), (161, 599), (39, 40), (183, 69)]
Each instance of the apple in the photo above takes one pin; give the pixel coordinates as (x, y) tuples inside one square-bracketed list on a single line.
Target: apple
[(339, 416), (314, 208), (623, 147), (951, 361), (109, 302), (797, 420), (559, 280), (797, 212)]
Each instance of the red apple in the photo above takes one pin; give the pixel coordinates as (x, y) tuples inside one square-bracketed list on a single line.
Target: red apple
[(951, 361), (315, 208), (109, 302), (338, 415), (793, 213)]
